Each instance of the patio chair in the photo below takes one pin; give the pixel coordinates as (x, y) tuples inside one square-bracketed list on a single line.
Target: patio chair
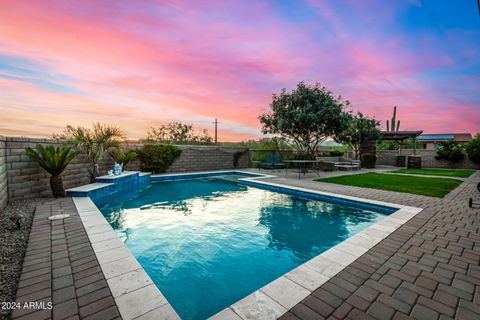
[(473, 204)]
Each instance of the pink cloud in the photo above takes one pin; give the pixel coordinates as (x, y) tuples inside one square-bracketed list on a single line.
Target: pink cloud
[(160, 61)]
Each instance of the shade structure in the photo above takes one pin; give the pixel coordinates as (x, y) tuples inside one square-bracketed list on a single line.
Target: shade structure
[(400, 136)]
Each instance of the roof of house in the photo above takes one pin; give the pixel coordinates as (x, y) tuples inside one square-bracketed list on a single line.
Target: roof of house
[(400, 135), (436, 137)]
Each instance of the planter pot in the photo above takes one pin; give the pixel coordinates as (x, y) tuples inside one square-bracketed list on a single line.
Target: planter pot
[(369, 161), (414, 162), (400, 161)]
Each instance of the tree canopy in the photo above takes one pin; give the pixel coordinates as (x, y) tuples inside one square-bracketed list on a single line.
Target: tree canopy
[(179, 133), (360, 130), (451, 151), (473, 149), (306, 115)]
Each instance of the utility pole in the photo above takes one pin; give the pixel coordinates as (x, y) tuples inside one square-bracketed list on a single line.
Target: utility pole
[(216, 125)]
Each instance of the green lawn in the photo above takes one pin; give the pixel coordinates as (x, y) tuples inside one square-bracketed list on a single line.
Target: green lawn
[(433, 187), (462, 173)]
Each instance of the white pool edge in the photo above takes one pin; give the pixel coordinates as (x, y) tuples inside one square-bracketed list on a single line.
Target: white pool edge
[(133, 291), (137, 297)]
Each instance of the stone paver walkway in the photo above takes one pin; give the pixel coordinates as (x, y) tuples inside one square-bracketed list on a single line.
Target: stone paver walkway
[(61, 268), (426, 269)]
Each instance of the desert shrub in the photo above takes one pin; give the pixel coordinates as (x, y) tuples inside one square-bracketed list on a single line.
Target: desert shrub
[(157, 158), (473, 149), (122, 155), (259, 155), (335, 153), (450, 151), (237, 155)]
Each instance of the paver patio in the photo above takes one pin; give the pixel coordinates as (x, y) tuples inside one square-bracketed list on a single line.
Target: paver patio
[(426, 269), (60, 267)]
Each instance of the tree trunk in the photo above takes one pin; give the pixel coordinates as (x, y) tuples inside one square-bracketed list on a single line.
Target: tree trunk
[(97, 171), (56, 183)]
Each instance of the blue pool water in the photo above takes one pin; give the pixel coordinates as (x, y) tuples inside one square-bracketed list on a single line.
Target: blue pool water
[(208, 242)]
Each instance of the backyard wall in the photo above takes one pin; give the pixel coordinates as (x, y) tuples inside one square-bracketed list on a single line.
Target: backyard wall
[(387, 157), (26, 179), (3, 174)]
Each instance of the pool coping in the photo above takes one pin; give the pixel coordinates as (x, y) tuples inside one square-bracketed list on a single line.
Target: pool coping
[(133, 291), (137, 297)]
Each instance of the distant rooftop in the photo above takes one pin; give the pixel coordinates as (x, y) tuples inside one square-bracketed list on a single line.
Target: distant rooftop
[(400, 135), (438, 137)]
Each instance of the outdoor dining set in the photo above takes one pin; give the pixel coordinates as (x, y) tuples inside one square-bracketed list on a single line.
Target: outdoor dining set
[(305, 165)]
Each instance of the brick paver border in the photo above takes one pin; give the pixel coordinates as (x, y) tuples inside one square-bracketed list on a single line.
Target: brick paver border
[(61, 277)]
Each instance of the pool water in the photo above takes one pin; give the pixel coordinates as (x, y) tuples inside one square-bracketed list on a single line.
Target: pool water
[(208, 242)]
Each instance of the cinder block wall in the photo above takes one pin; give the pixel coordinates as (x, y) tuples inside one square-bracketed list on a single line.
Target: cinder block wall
[(387, 157), (26, 179), (3, 174), (202, 158)]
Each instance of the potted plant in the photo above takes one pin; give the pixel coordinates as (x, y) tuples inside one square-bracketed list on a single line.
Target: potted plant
[(54, 161)]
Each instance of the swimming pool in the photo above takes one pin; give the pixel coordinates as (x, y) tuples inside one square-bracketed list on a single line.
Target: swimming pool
[(208, 242)]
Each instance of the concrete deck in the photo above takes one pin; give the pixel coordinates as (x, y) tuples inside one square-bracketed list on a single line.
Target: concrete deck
[(426, 269)]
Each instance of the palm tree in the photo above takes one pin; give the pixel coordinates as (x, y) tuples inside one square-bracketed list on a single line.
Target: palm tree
[(94, 142), (122, 155), (54, 161)]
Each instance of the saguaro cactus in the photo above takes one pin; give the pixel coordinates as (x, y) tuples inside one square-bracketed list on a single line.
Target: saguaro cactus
[(394, 118)]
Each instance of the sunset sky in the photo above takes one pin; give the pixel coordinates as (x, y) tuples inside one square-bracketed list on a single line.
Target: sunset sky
[(143, 63)]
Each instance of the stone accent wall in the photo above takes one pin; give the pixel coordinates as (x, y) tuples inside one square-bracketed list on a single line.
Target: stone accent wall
[(387, 157), (26, 179), (3, 174)]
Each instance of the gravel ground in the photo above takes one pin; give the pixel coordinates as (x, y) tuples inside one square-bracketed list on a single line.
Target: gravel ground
[(15, 224)]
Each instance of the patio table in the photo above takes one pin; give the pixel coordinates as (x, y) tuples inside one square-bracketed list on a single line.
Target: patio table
[(302, 165)]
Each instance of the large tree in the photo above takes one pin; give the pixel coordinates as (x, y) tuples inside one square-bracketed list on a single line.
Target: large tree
[(306, 115), (361, 130)]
